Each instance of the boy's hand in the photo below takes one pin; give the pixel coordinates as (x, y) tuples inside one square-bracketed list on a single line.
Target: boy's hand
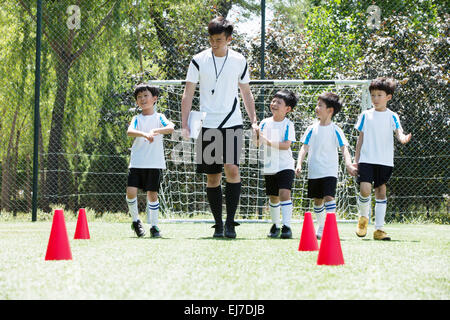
[(298, 170), (405, 138), (352, 169)]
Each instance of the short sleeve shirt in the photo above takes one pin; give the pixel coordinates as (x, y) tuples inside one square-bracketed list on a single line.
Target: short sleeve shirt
[(378, 142), (276, 160), (323, 142), (219, 95), (145, 154)]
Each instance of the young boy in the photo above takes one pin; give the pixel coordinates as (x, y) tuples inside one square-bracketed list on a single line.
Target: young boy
[(276, 134), (147, 157), (374, 154), (321, 141), (221, 73)]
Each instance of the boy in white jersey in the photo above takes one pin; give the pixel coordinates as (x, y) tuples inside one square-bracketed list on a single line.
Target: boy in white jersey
[(276, 134), (321, 141), (374, 154), (147, 157), (221, 73)]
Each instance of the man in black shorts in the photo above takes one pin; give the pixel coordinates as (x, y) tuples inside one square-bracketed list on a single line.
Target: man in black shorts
[(220, 72)]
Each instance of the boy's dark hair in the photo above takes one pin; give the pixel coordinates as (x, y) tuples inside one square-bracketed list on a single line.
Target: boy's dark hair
[(384, 84), (289, 98), (219, 25), (331, 100), (145, 87)]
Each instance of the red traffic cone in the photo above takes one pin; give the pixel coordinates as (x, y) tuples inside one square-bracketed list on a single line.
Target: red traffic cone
[(308, 240), (82, 229), (330, 252), (58, 247)]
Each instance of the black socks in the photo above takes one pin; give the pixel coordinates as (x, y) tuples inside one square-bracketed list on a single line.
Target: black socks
[(215, 201), (232, 197)]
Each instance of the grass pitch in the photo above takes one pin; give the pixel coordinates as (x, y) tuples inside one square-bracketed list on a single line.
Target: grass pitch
[(187, 263)]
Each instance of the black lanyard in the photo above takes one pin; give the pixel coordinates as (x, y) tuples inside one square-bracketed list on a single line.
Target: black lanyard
[(215, 68)]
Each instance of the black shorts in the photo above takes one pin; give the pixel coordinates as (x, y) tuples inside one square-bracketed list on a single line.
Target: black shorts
[(215, 147), (280, 180), (144, 179), (376, 173), (319, 188)]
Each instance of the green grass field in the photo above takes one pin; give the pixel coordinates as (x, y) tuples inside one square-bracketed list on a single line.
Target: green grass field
[(187, 263)]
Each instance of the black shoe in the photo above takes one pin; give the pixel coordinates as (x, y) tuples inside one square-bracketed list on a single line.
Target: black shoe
[(274, 232), (138, 228), (229, 230), (286, 232), (154, 232), (218, 233)]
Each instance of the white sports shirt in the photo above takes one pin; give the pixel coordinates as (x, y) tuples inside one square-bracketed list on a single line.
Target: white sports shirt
[(276, 160), (378, 142), (323, 142), (219, 98), (143, 153)]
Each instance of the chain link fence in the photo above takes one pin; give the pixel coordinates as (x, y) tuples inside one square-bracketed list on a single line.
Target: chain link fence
[(92, 55)]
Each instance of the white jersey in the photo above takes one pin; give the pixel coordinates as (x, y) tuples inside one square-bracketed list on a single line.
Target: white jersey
[(378, 142), (323, 142), (219, 96), (276, 160), (143, 153)]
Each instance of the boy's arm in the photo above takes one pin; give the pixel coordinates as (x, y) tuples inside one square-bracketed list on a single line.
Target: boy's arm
[(136, 133), (301, 156), (166, 130), (404, 139), (351, 167), (285, 145), (249, 103), (186, 105), (358, 147)]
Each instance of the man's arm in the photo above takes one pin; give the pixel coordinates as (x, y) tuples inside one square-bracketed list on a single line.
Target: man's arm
[(249, 103), (186, 105)]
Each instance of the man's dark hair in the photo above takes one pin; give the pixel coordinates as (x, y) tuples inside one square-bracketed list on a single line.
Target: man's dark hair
[(219, 25), (384, 84), (331, 100), (289, 98), (145, 87)]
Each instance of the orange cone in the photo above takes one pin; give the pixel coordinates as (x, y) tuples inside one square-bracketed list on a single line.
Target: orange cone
[(58, 247), (308, 240), (82, 229), (330, 252)]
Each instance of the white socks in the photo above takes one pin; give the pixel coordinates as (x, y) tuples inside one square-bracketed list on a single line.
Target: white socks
[(152, 212), (364, 206), (133, 208), (286, 212), (320, 216), (380, 213), (380, 210), (274, 209)]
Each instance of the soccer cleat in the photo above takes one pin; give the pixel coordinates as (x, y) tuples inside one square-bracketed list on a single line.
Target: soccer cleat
[(361, 229), (286, 232), (138, 228), (218, 233), (380, 235), (274, 232), (154, 232), (229, 230)]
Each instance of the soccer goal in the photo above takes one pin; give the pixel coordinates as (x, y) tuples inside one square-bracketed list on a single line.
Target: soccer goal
[(183, 191)]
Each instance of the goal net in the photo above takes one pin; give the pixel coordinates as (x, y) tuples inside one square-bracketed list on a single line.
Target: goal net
[(183, 191)]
